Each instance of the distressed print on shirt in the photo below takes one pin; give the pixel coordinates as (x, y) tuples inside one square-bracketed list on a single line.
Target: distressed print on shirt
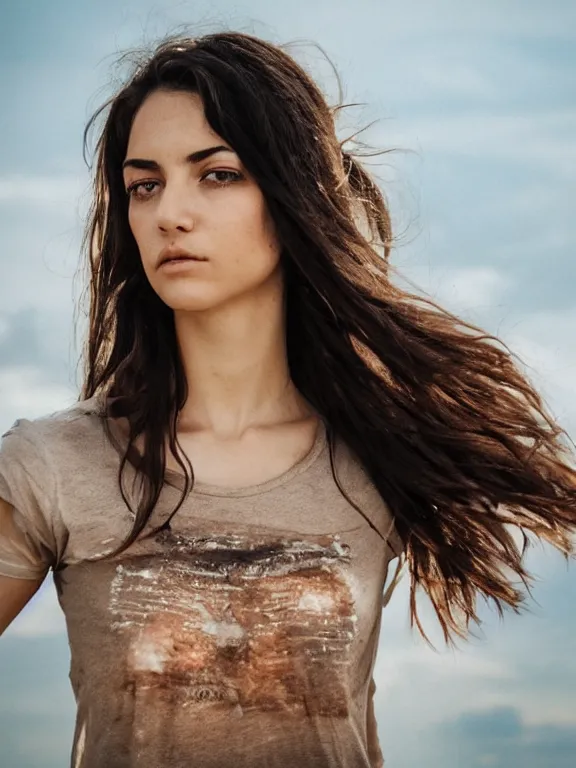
[(263, 623)]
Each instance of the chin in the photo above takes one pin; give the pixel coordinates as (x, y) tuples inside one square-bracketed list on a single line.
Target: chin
[(200, 299)]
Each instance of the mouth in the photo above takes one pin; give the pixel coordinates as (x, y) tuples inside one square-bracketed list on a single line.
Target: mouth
[(180, 258), (177, 256)]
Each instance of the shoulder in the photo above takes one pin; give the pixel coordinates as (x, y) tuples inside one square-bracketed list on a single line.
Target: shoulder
[(39, 457), (73, 424)]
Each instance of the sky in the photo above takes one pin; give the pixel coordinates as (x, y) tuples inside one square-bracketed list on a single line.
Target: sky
[(478, 101)]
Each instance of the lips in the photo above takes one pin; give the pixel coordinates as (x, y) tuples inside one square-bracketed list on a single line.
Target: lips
[(171, 254)]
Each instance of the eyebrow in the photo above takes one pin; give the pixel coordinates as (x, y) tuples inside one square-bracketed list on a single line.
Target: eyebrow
[(194, 158)]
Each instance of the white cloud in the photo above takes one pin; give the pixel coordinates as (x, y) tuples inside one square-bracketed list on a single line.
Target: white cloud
[(414, 684), (27, 394), (546, 342), (458, 289), (38, 260), (41, 190), (545, 138)]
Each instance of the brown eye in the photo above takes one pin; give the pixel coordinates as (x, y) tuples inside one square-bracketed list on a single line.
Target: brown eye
[(229, 177), (134, 190)]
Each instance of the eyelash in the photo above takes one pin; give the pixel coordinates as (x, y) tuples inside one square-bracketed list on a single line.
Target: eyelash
[(133, 193)]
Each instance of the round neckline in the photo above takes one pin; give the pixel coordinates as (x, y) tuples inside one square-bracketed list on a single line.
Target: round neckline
[(177, 479)]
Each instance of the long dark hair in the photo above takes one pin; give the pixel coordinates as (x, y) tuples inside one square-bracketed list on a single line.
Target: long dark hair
[(454, 437)]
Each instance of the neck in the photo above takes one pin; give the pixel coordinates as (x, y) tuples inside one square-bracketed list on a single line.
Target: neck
[(236, 367)]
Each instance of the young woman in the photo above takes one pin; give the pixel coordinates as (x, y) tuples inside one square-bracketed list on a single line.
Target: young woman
[(266, 423)]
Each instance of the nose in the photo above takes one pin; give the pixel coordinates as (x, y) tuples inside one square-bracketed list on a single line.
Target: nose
[(175, 210)]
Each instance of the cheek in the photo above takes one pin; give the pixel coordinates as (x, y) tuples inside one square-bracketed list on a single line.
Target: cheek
[(252, 230), (141, 232), (135, 222)]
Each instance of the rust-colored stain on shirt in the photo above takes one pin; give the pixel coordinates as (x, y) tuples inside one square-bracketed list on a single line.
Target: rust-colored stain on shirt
[(259, 623)]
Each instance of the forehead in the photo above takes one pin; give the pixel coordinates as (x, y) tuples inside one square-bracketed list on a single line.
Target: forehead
[(168, 118)]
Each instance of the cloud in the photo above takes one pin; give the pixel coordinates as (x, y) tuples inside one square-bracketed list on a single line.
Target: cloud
[(521, 670), (461, 290), (27, 393), (546, 343), (41, 190), (499, 738), (19, 340), (37, 337), (39, 253), (546, 139), (543, 339)]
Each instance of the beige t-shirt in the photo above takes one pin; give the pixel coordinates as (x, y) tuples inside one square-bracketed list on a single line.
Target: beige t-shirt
[(245, 634)]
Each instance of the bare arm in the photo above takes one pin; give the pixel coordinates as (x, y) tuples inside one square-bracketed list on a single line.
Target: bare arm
[(14, 593)]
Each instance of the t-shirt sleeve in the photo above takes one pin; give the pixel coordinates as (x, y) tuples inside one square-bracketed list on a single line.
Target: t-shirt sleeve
[(29, 543)]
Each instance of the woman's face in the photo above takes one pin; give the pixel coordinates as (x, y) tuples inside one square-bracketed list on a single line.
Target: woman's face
[(208, 206)]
